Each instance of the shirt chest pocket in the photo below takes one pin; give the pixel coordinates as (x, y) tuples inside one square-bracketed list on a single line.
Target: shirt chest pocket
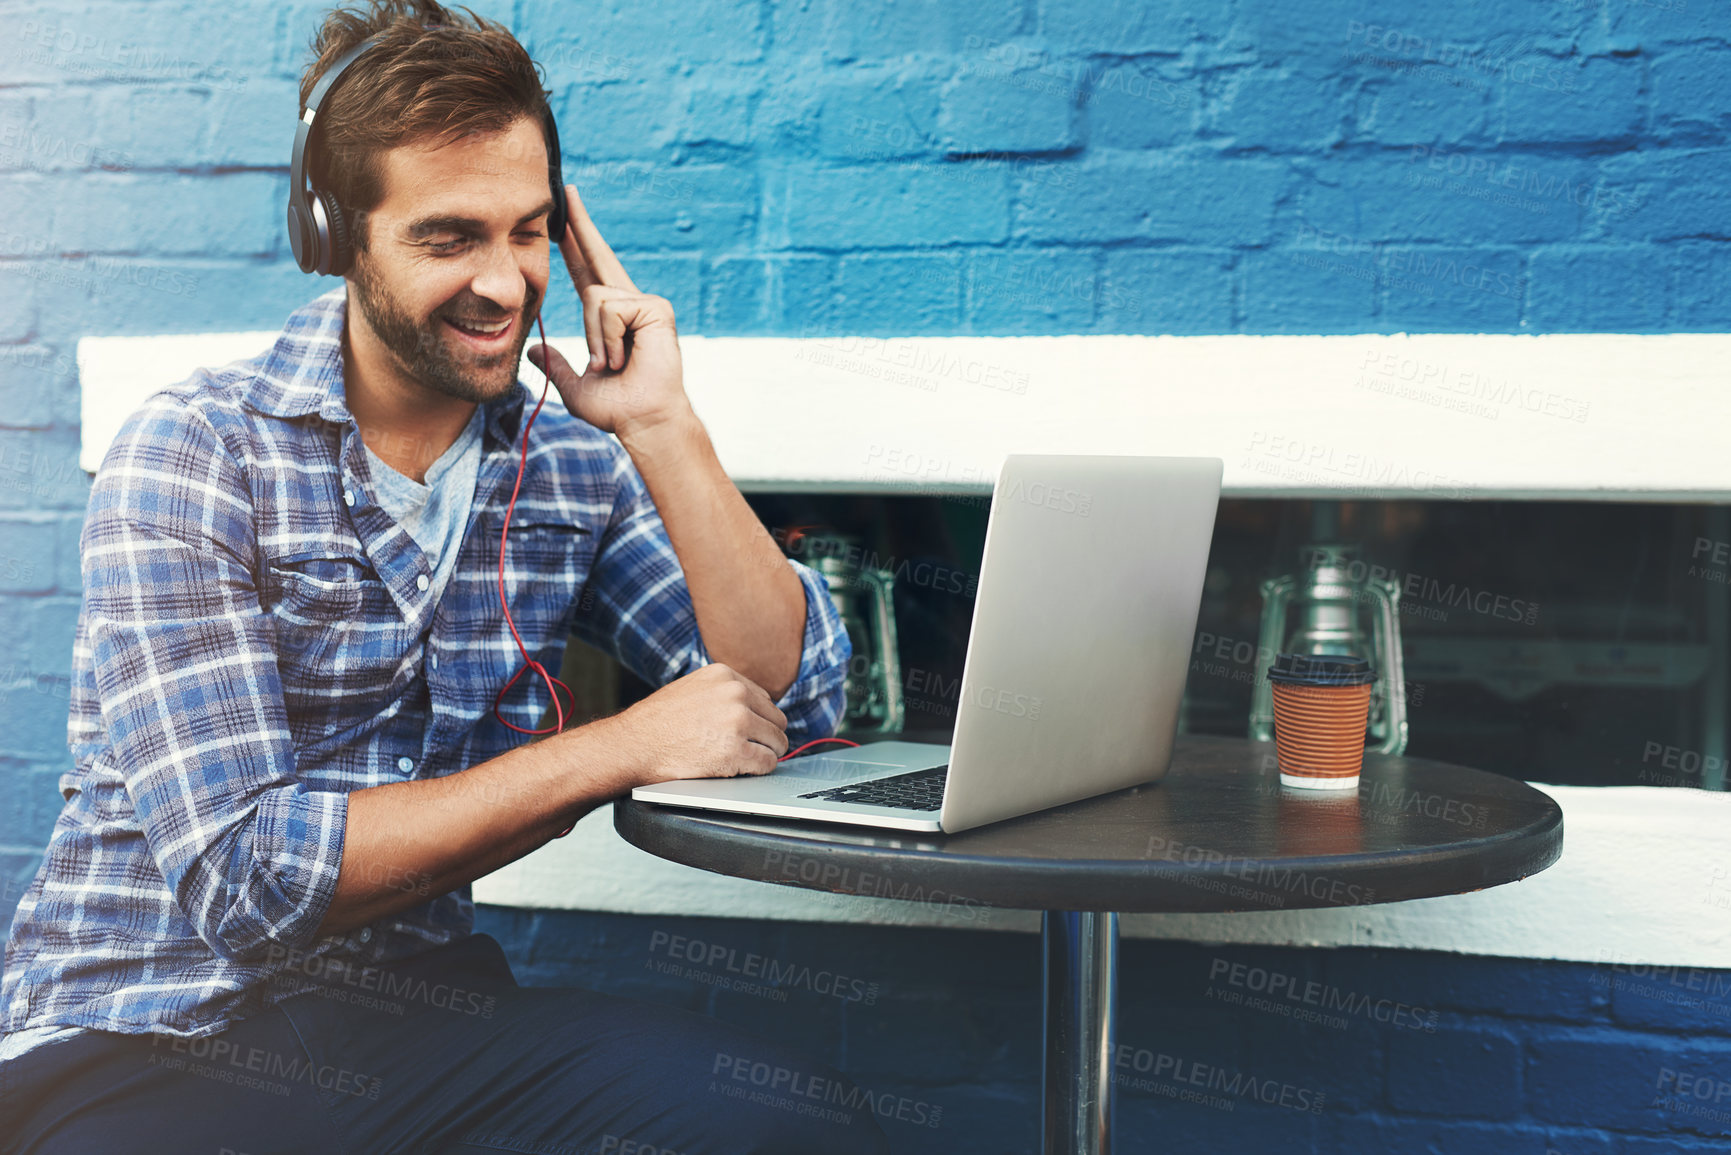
[(546, 563), (338, 630)]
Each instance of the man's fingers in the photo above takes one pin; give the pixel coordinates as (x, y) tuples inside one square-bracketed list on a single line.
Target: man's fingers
[(592, 330), (759, 760), (592, 248), (616, 318), (552, 362), (582, 275), (768, 735), (755, 695), (763, 705)]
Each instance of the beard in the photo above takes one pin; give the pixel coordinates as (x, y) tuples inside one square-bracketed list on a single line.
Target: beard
[(430, 354)]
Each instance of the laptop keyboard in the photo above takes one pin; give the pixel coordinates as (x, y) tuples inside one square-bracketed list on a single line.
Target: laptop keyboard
[(918, 790)]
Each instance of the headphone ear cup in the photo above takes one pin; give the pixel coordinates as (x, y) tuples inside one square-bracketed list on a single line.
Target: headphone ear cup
[(299, 230), (556, 219), (556, 178), (340, 247)]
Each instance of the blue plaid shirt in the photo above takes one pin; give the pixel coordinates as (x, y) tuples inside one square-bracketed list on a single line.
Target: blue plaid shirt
[(257, 640)]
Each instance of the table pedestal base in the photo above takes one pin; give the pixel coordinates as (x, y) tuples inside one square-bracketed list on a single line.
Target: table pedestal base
[(1080, 982)]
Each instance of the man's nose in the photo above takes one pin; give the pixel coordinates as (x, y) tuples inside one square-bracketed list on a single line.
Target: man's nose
[(501, 279)]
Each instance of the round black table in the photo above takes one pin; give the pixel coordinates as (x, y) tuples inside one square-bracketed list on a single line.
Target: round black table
[(1219, 833)]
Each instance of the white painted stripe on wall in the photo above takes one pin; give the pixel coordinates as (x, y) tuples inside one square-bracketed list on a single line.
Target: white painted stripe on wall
[(1564, 416), (1599, 416), (1645, 877)]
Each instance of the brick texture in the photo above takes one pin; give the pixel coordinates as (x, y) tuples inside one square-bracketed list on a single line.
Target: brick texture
[(813, 167)]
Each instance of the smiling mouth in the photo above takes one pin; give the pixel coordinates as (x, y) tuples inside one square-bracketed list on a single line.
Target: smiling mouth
[(482, 333)]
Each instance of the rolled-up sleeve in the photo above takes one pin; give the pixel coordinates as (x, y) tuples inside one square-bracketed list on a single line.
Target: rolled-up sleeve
[(185, 669), (637, 607), (819, 691)]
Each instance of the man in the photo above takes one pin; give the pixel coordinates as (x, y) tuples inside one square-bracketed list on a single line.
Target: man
[(252, 927)]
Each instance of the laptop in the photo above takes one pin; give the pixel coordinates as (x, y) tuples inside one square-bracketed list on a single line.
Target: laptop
[(1084, 614)]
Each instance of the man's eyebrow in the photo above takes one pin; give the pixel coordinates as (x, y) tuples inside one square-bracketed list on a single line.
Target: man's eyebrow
[(451, 223)]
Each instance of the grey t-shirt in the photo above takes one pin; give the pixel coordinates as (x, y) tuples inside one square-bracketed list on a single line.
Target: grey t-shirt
[(435, 514)]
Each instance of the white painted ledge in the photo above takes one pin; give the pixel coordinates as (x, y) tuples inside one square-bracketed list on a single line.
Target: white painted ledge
[(1560, 416), (1645, 877), (1645, 874)]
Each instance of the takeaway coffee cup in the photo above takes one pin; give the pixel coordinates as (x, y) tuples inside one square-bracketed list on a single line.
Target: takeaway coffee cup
[(1321, 706)]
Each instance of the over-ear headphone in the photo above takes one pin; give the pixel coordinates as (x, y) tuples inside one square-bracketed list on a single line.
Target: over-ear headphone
[(318, 234)]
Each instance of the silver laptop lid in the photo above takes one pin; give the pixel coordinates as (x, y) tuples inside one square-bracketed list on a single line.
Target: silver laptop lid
[(1090, 586)]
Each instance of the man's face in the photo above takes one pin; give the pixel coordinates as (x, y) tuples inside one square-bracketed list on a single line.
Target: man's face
[(457, 247)]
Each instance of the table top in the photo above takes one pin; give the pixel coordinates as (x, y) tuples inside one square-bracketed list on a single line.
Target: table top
[(1218, 833)]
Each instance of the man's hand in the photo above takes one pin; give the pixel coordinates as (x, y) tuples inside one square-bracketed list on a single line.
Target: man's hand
[(633, 379), (712, 723)]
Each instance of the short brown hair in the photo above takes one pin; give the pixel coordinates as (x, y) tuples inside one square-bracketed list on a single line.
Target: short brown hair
[(440, 83)]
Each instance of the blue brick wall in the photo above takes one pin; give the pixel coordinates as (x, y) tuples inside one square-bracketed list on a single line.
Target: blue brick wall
[(1345, 1051), (937, 166)]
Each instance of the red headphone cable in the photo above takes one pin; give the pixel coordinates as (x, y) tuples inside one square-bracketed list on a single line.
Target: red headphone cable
[(554, 685)]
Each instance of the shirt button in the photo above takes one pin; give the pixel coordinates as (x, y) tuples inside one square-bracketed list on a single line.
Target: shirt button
[(434, 659), (405, 764), (421, 583), (348, 497), (366, 934)]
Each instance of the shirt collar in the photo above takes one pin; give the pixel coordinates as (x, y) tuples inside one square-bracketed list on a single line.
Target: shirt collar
[(303, 372)]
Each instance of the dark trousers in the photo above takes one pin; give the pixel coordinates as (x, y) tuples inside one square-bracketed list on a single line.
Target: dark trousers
[(441, 1053)]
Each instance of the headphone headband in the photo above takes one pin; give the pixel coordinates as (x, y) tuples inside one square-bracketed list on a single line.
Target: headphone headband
[(318, 233)]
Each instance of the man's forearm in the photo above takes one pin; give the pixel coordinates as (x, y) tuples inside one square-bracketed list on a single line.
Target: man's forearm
[(407, 842), (750, 604)]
